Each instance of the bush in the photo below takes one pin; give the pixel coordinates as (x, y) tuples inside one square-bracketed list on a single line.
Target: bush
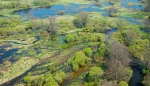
[(27, 79), (123, 83), (64, 46), (94, 74), (59, 77), (88, 52), (112, 11), (79, 60), (81, 19), (75, 67), (69, 38)]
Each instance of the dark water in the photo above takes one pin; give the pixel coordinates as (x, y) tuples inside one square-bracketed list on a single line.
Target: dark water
[(37, 38), (137, 77), (110, 32)]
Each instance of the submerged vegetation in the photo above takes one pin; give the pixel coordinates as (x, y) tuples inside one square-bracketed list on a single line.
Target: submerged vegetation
[(74, 43)]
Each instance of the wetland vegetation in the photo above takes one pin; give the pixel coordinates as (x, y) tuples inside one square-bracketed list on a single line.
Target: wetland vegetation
[(74, 43)]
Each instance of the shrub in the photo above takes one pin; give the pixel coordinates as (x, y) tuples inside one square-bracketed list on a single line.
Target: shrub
[(123, 83), (88, 52), (79, 60), (94, 74), (27, 79), (69, 38), (64, 46), (75, 67), (59, 77), (112, 11), (81, 19)]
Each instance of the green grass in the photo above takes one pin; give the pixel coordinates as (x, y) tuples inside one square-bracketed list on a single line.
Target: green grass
[(17, 68)]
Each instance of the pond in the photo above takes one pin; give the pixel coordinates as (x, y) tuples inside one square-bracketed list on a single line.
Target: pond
[(72, 9), (4, 53), (132, 4), (55, 9)]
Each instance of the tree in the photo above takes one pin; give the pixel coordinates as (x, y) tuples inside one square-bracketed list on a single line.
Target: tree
[(112, 11), (123, 83), (94, 74), (81, 19), (59, 77), (147, 8), (103, 49), (109, 83), (147, 26), (116, 71), (146, 80), (75, 67), (79, 60), (69, 38), (88, 52), (52, 26), (146, 55), (27, 79), (52, 68), (130, 35), (138, 46), (120, 52)]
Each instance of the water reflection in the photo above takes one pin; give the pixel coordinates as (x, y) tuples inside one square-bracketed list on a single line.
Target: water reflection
[(135, 4), (4, 53), (53, 10)]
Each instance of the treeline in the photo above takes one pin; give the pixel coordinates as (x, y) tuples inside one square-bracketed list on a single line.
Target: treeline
[(9, 4), (24, 4)]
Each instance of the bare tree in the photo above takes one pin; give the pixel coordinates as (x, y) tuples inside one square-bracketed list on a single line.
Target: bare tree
[(147, 8), (109, 83), (147, 24), (52, 26), (146, 80), (117, 71), (112, 11), (146, 56), (147, 27), (130, 35), (82, 19), (120, 52)]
